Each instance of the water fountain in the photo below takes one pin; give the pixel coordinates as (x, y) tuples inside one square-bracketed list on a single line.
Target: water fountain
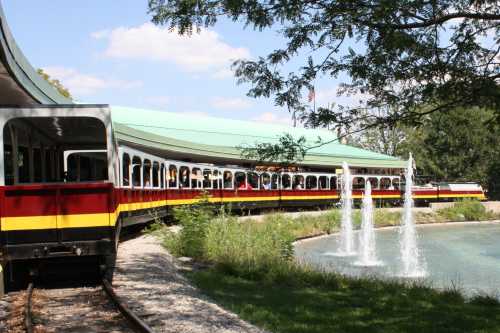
[(346, 232), (413, 264), (367, 244)]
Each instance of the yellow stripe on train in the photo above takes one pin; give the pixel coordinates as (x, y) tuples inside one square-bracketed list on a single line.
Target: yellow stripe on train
[(55, 222)]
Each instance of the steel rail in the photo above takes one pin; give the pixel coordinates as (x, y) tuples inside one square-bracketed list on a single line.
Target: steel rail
[(138, 324), (28, 321)]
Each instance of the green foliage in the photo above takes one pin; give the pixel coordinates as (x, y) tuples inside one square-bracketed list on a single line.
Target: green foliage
[(195, 221), (287, 151), (461, 145), (407, 53), (494, 179), (249, 248), (465, 210), (55, 83)]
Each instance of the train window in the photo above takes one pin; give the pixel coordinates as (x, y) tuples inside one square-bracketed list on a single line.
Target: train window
[(395, 183), (358, 183), (84, 165), (156, 178), (274, 182), (146, 173), (385, 183), (196, 178), (162, 176), (228, 179), (207, 177), (311, 183), (33, 153), (184, 176), (333, 183), (253, 181), (125, 170), (265, 181), (286, 182), (136, 171), (240, 180), (215, 179), (373, 182), (323, 182), (298, 182), (172, 176)]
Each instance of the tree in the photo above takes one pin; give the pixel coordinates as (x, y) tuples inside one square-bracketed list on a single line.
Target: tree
[(55, 83), (387, 140), (459, 145), (440, 53)]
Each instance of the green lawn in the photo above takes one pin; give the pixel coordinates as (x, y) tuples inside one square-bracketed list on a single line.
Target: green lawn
[(348, 305)]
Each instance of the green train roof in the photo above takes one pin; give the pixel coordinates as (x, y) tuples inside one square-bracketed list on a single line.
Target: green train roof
[(22, 85), (222, 138)]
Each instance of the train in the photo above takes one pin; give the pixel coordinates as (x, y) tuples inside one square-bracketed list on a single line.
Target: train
[(70, 184)]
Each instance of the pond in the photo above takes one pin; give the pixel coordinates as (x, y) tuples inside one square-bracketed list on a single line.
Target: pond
[(464, 255)]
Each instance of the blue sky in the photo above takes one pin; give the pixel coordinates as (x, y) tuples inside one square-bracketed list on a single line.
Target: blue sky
[(106, 51)]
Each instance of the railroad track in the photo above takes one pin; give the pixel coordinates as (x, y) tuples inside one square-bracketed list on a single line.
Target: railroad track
[(134, 322)]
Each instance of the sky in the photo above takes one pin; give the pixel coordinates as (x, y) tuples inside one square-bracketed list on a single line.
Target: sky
[(108, 51)]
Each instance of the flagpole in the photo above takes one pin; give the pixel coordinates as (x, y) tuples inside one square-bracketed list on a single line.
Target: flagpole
[(314, 100)]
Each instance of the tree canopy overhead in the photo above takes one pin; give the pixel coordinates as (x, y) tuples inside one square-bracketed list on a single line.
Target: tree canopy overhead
[(442, 54)]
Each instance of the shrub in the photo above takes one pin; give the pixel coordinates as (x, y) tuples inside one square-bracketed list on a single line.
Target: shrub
[(465, 210), (248, 248), (191, 239)]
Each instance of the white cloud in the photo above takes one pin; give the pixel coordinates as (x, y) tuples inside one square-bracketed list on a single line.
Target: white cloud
[(86, 84), (272, 118), (230, 103), (200, 52)]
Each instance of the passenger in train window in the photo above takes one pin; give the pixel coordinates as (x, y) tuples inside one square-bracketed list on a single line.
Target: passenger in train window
[(184, 177), (265, 181), (285, 181), (245, 186), (147, 182), (228, 179), (298, 183), (172, 176), (323, 182)]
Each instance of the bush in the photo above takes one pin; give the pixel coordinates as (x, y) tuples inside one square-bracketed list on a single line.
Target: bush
[(248, 248), (190, 241), (465, 210)]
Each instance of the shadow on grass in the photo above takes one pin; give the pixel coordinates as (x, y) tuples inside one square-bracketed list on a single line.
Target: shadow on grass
[(347, 305)]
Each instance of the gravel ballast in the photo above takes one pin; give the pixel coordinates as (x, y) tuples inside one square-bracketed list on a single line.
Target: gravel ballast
[(147, 277)]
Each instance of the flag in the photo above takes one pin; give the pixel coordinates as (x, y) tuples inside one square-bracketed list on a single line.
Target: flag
[(312, 95)]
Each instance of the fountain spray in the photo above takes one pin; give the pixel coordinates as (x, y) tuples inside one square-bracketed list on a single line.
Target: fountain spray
[(346, 232), (412, 263), (367, 246)]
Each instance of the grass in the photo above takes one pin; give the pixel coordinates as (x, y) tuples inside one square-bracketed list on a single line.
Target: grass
[(253, 274), (336, 304)]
